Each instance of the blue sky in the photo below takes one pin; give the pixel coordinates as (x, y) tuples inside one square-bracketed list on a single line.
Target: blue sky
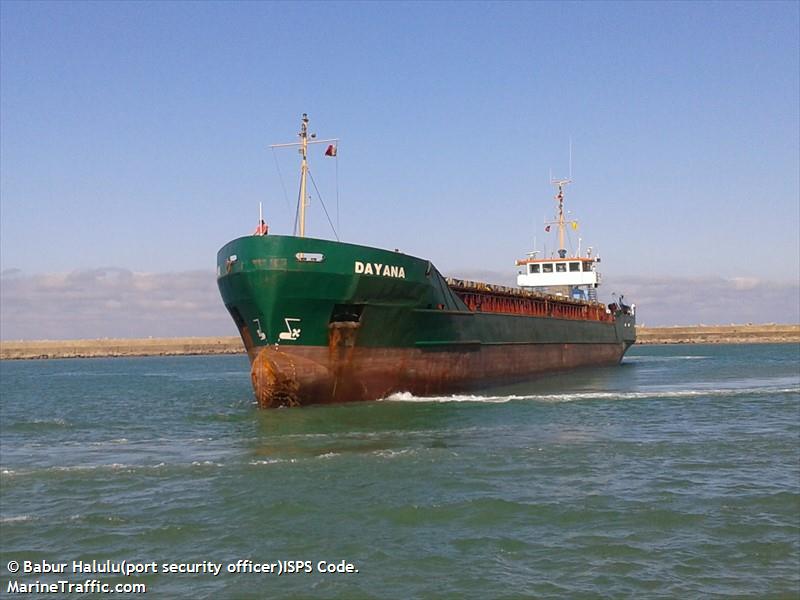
[(135, 137)]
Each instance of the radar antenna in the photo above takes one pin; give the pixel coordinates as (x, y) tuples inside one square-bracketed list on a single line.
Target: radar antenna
[(560, 221)]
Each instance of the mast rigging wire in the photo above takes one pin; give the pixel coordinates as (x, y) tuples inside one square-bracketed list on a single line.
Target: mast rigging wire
[(336, 158), (280, 176), (323, 205)]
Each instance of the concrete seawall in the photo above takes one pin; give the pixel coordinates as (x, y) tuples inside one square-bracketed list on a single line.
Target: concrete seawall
[(720, 334), (120, 347), (9, 350)]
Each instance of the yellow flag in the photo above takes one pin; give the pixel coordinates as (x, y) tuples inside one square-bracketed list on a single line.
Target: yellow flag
[(575, 225)]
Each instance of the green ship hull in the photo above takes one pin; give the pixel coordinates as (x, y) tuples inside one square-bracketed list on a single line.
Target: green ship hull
[(325, 321)]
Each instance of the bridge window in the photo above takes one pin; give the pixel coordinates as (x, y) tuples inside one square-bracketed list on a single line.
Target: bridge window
[(561, 267), (587, 266), (547, 268), (573, 267), (533, 268)]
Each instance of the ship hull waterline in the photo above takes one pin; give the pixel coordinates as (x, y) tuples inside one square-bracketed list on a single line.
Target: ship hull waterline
[(308, 375)]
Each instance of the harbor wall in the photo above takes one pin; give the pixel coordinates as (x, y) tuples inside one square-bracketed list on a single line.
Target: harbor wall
[(719, 334), (30, 349)]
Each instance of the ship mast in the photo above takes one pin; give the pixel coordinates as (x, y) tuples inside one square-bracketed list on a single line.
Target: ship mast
[(305, 139), (303, 172), (561, 183)]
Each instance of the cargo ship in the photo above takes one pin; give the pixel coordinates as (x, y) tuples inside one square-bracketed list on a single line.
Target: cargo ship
[(325, 321)]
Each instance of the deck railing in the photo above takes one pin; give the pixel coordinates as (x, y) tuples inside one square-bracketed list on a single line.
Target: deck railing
[(485, 297)]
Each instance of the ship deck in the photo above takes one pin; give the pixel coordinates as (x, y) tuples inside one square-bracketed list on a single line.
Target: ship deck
[(490, 298)]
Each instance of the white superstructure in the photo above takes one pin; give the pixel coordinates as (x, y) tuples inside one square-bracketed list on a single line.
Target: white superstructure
[(558, 272), (574, 276)]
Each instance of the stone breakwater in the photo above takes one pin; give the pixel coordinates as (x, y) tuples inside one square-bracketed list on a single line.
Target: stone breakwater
[(720, 334), (120, 347), (700, 334)]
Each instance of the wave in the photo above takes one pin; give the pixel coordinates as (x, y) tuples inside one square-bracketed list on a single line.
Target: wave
[(395, 453), (409, 397), (37, 424), (60, 469), (205, 463), (70, 519), (328, 455), (383, 453), (126, 468), (17, 519), (642, 359), (110, 442), (271, 461), (107, 467), (578, 396), (199, 376)]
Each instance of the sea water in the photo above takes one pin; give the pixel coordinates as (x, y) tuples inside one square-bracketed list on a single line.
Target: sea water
[(676, 474)]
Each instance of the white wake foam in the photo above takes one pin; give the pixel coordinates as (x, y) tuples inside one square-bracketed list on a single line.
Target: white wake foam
[(409, 397), (17, 519), (578, 396), (642, 359)]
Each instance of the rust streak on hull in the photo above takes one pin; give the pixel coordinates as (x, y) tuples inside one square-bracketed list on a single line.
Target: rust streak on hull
[(302, 375)]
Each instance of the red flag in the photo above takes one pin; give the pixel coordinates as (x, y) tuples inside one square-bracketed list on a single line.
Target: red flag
[(547, 228), (331, 151)]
